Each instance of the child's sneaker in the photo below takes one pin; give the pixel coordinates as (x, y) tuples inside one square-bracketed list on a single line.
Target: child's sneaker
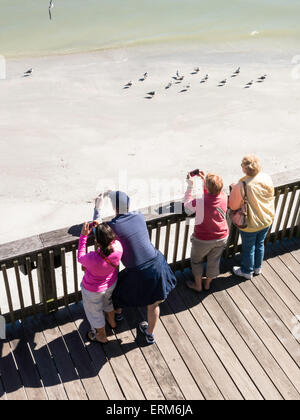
[(257, 271), (143, 328)]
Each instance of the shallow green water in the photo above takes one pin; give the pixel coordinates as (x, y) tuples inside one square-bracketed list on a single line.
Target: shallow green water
[(84, 25)]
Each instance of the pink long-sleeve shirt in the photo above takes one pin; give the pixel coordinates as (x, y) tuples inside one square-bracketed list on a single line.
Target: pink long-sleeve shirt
[(210, 224), (99, 275)]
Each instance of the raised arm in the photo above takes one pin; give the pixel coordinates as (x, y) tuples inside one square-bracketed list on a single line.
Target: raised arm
[(82, 254), (191, 205)]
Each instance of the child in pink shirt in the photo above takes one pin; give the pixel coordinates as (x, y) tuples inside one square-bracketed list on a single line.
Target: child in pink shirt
[(100, 278)]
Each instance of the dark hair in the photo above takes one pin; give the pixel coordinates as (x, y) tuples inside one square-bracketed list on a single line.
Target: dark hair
[(104, 237)]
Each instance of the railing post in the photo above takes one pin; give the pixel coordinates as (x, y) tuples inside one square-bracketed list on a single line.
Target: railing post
[(45, 281)]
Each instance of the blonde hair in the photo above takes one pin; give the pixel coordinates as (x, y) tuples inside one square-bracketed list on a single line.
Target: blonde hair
[(251, 165), (214, 183)]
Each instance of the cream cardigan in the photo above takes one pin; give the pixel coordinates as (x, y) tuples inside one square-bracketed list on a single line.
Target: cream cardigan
[(260, 192)]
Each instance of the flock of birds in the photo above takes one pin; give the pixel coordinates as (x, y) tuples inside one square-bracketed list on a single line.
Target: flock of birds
[(178, 79)]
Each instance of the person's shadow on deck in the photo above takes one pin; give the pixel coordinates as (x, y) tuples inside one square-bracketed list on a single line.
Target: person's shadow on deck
[(53, 348)]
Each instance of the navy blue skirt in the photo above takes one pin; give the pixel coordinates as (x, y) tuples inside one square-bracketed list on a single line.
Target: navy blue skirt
[(145, 284)]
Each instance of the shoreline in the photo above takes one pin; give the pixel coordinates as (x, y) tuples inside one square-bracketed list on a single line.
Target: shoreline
[(251, 44)]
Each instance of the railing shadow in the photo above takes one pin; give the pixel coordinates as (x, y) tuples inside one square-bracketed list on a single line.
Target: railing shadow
[(54, 348)]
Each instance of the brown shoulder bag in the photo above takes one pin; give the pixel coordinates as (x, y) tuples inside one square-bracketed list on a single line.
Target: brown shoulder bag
[(239, 217)]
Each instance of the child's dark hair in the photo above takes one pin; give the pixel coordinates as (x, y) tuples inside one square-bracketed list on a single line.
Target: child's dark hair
[(104, 237)]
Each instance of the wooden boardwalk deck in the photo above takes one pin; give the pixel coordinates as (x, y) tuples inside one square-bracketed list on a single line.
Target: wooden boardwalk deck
[(240, 341)]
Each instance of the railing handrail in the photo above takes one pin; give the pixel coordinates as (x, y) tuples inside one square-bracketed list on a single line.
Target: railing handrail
[(47, 252), (66, 237)]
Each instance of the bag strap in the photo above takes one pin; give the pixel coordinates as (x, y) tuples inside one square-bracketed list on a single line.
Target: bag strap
[(106, 259), (245, 189), (221, 211), (245, 198)]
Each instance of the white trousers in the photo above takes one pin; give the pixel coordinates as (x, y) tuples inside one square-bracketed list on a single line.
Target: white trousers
[(95, 304)]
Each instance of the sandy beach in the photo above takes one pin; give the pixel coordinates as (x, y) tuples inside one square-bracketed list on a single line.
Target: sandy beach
[(71, 129)]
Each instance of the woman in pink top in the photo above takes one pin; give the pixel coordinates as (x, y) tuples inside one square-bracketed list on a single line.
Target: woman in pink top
[(211, 230), (100, 278)]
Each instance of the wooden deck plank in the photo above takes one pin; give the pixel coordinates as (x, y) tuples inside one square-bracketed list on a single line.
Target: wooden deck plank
[(215, 306), (188, 353), (292, 264), (123, 371), (269, 366), (236, 342), (176, 364), (137, 362), (228, 352), (135, 358), (281, 289), (273, 321), (204, 349), (26, 366), (42, 357), (155, 360), (288, 374), (296, 255), (275, 301), (83, 363), (98, 356), (13, 386), (61, 356), (285, 274)]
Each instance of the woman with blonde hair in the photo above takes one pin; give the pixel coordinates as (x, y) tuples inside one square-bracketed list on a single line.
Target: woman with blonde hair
[(261, 211)]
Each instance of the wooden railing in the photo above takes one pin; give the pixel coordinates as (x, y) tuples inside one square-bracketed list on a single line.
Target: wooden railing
[(41, 273)]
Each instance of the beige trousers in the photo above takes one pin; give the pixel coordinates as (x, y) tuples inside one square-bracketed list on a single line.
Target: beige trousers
[(213, 250)]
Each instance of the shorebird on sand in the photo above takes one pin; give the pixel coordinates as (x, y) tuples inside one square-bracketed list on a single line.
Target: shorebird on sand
[(261, 79), (185, 89), (236, 72), (196, 70), (204, 79), (168, 85), (222, 83), (249, 84), (128, 85), (28, 73), (144, 77)]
